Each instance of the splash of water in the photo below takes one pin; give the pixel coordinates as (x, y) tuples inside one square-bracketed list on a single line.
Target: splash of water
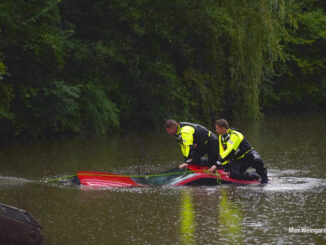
[(13, 181)]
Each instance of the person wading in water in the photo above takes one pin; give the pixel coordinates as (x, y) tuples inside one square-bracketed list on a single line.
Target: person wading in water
[(236, 152)]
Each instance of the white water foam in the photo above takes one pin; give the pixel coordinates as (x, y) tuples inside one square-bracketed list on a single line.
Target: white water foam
[(12, 181)]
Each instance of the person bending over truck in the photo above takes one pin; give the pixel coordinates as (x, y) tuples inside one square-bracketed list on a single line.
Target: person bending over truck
[(195, 141)]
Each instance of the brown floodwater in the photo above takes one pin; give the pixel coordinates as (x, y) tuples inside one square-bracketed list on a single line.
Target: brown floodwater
[(291, 209)]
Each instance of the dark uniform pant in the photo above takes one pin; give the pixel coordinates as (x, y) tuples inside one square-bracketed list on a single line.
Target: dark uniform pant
[(251, 159), (210, 148)]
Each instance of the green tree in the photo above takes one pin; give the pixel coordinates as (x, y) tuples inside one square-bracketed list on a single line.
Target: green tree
[(300, 81), (95, 66)]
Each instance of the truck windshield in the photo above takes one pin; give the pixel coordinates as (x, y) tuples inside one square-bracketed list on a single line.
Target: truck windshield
[(164, 178)]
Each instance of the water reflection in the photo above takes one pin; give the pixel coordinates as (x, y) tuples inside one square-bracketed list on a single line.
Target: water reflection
[(230, 219), (226, 219), (187, 216)]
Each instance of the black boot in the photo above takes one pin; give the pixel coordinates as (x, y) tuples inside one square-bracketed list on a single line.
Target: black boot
[(263, 177), (250, 176)]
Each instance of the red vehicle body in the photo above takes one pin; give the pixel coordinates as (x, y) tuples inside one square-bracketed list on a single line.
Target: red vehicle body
[(194, 175)]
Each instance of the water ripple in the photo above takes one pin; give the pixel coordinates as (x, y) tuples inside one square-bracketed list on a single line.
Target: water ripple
[(12, 181)]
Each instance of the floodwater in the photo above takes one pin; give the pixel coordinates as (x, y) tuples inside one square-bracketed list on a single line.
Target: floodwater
[(291, 209)]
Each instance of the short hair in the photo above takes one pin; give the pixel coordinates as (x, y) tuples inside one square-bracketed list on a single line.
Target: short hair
[(222, 123), (170, 123)]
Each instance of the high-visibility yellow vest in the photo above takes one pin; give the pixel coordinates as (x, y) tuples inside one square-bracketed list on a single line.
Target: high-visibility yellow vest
[(189, 134), (233, 145)]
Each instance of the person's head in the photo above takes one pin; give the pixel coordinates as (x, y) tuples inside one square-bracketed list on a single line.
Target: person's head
[(171, 126), (221, 126)]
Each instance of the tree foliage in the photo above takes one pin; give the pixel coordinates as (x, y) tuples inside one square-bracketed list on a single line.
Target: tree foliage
[(300, 83), (94, 66)]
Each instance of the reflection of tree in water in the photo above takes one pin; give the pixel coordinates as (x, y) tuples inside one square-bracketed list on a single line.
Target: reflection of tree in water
[(230, 219), (187, 215)]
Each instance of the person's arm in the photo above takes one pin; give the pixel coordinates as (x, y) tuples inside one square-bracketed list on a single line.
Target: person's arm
[(232, 142), (187, 141), (185, 164)]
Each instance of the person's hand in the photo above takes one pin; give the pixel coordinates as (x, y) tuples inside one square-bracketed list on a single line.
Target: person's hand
[(218, 165), (183, 165), (212, 169)]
